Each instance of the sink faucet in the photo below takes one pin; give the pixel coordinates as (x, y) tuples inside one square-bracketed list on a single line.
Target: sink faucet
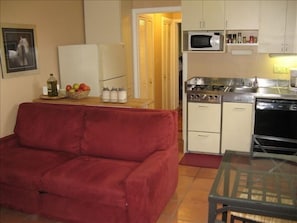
[(255, 82)]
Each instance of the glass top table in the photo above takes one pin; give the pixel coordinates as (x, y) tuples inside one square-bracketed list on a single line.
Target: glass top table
[(264, 185)]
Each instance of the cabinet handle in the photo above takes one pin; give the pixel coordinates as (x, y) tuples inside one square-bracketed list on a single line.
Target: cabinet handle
[(238, 109), (204, 136), (226, 24), (284, 47), (202, 106)]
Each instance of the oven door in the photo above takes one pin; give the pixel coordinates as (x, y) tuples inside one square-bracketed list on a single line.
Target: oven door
[(275, 127)]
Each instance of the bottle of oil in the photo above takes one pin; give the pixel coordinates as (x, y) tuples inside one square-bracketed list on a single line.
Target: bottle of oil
[(52, 89)]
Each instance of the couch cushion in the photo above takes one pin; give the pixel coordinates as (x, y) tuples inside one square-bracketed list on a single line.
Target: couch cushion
[(90, 179), (48, 126), (23, 167), (130, 134)]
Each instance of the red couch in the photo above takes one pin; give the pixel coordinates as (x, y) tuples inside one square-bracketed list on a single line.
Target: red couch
[(90, 164)]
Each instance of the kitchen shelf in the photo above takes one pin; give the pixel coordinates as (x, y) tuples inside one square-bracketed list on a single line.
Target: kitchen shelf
[(242, 44)]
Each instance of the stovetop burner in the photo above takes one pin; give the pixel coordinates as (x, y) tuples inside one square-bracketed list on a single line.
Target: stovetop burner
[(208, 88), (205, 90)]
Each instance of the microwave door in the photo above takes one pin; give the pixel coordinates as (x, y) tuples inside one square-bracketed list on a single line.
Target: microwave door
[(201, 41)]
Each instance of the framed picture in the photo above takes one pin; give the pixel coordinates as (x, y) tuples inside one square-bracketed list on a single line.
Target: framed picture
[(19, 50)]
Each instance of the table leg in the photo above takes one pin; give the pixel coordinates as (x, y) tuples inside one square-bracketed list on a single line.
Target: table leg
[(212, 214)]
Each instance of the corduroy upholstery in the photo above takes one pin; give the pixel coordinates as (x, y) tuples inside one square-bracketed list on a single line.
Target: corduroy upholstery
[(90, 164)]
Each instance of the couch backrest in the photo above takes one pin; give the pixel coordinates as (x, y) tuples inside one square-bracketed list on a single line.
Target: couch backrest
[(48, 126), (130, 134), (120, 133)]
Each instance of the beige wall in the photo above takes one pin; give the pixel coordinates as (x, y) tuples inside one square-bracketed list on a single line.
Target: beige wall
[(57, 23), (155, 3), (126, 13), (103, 21), (228, 65)]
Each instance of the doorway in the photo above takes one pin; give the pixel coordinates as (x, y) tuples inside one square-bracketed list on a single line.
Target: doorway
[(156, 49)]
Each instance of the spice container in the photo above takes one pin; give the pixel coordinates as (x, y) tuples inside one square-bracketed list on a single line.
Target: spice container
[(252, 39), (239, 38), (229, 38), (234, 39)]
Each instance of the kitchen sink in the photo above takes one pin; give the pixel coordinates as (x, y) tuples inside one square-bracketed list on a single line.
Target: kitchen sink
[(244, 89)]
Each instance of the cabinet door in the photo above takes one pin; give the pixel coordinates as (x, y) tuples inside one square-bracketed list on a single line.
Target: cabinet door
[(204, 117), (237, 125), (191, 15), (213, 15), (204, 142), (291, 28), (271, 37), (277, 31), (203, 15), (242, 15)]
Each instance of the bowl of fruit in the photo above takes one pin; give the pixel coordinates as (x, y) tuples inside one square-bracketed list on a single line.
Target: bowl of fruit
[(77, 91)]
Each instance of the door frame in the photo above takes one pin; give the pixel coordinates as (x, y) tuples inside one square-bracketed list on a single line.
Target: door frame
[(135, 13)]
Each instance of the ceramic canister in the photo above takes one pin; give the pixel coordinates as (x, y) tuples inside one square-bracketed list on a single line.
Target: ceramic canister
[(106, 95)]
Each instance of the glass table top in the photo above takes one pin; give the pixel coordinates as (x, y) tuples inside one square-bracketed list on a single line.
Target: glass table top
[(265, 178)]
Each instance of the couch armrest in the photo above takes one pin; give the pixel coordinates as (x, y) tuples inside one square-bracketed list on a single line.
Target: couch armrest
[(151, 185), (8, 141)]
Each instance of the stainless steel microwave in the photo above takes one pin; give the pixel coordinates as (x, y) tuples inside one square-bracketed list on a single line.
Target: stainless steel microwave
[(205, 41)]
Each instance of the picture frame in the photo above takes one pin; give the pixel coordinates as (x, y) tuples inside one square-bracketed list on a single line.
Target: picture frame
[(18, 50)]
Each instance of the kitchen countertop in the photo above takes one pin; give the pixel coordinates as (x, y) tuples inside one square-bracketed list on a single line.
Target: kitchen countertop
[(265, 88), (262, 92), (97, 101)]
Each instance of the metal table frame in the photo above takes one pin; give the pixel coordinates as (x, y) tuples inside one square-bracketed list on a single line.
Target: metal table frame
[(253, 199)]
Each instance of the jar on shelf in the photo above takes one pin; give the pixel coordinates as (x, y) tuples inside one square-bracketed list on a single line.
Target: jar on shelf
[(234, 39), (229, 38), (252, 39), (239, 38)]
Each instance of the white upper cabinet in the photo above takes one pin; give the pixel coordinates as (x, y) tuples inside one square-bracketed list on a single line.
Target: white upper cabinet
[(203, 15), (277, 31), (242, 15)]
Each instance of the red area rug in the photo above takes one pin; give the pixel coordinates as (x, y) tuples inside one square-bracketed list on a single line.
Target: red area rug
[(201, 160)]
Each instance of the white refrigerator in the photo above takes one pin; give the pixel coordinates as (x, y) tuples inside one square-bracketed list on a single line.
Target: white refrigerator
[(98, 65)]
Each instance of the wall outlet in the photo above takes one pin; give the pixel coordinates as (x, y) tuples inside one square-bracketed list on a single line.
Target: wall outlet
[(280, 69)]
